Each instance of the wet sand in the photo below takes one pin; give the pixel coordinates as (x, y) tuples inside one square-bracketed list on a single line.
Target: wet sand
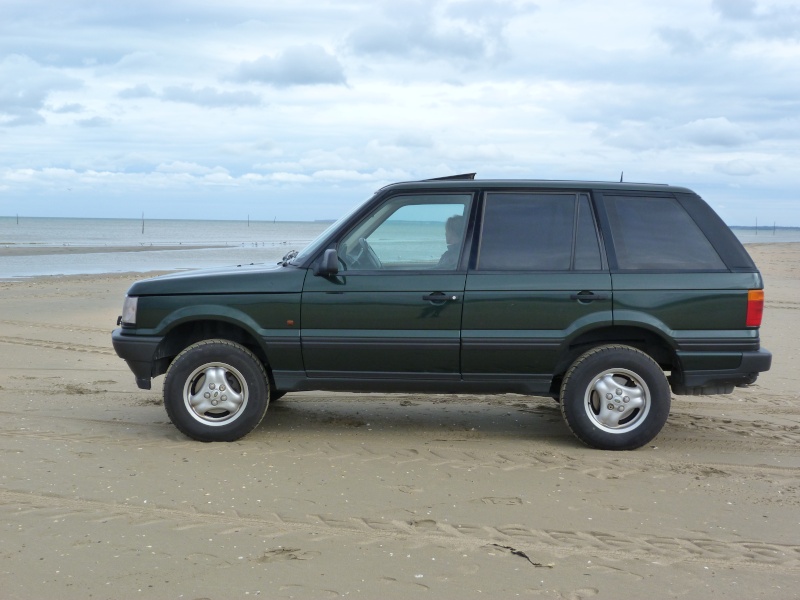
[(381, 496)]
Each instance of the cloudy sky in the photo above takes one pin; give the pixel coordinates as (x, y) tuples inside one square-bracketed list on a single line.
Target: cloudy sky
[(299, 110)]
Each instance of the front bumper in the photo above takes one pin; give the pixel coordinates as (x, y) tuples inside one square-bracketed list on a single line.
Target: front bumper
[(138, 351)]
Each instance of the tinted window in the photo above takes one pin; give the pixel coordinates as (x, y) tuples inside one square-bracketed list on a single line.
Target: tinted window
[(536, 232), (657, 233)]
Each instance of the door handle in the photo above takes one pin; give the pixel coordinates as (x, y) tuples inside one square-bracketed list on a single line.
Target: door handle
[(440, 297), (586, 296)]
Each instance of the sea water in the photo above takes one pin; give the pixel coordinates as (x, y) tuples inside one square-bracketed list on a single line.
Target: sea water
[(160, 245)]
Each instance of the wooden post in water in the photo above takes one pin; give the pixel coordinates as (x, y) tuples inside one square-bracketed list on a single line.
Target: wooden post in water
[(143, 223)]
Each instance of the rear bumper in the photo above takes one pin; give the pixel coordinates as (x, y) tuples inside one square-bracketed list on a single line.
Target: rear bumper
[(138, 351), (693, 381)]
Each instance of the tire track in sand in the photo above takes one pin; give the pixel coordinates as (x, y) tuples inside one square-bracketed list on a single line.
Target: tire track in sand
[(57, 326), (608, 545), (53, 345), (600, 466)]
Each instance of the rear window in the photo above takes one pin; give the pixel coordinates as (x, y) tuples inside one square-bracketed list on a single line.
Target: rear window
[(538, 232), (656, 233)]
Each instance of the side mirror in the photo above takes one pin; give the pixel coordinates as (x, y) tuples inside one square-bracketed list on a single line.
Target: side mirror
[(328, 265)]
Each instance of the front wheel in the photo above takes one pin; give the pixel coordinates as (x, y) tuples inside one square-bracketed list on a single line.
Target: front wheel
[(216, 391), (615, 398)]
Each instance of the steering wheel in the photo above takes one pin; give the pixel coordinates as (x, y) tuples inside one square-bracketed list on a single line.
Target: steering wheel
[(364, 256)]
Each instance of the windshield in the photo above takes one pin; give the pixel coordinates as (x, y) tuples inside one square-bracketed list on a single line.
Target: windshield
[(317, 244)]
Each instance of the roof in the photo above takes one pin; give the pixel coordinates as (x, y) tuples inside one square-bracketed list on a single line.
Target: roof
[(466, 182)]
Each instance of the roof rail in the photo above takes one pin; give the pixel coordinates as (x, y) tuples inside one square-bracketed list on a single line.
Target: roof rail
[(452, 177)]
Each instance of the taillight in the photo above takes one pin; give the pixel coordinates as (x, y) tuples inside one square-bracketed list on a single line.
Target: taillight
[(755, 308)]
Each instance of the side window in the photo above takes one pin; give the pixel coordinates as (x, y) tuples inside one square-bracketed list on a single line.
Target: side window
[(409, 232), (538, 232), (657, 233)]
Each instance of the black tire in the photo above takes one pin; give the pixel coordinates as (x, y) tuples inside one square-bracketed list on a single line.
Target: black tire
[(615, 398), (216, 391)]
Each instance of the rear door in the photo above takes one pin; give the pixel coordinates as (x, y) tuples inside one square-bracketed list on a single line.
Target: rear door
[(539, 278)]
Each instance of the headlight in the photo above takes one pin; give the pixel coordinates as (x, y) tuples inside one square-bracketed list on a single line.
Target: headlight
[(129, 310)]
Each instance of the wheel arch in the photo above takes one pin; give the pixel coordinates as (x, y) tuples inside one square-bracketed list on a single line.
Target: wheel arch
[(652, 343), (188, 332)]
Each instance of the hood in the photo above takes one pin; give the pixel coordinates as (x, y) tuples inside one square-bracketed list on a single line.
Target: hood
[(242, 279)]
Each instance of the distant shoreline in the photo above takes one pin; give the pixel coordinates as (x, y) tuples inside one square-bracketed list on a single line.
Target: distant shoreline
[(765, 227), (12, 250), (18, 218)]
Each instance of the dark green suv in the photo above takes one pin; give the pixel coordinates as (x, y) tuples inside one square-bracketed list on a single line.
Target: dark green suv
[(602, 295)]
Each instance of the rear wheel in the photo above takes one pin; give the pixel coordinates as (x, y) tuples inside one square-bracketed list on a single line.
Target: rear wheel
[(216, 391), (615, 398)]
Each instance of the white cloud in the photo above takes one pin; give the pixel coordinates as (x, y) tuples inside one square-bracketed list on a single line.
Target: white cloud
[(19, 116), (219, 178), (94, 122), (297, 65), (141, 90), (209, 96), (735, 9), (341, 175), (414, 139), (415, 38), (290, 177), (716, 131), (25, 87), (680, 40), (179, 166), (768, 20), (737, 167), (461, 31), (68, 108)]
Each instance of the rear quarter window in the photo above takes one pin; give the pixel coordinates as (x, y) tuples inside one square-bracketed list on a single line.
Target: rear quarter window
[(538, 232), (656, 233)]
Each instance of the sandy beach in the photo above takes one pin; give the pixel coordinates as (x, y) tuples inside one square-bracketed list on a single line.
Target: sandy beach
[(379, 496)]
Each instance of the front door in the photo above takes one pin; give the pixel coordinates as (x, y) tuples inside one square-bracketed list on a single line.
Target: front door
[(394, 309)]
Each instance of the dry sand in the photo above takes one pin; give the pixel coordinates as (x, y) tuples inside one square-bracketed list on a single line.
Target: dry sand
[(379, 496)]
